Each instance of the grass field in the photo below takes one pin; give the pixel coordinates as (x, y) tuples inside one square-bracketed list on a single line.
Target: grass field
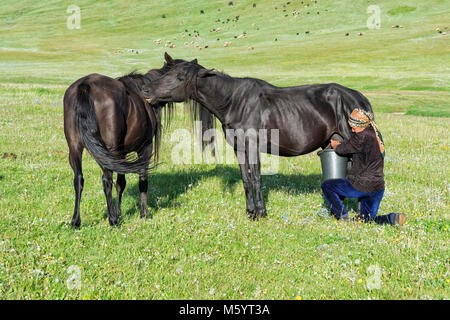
[(199, 243)]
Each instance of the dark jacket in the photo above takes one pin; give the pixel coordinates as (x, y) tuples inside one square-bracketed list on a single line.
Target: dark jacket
[(366, 173)]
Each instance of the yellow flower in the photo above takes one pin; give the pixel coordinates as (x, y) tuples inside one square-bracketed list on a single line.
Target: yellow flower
[(298, 298), (360, 281)]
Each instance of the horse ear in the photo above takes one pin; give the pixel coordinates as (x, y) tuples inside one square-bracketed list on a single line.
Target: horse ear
[(203, 73), (168, 59), (194, 61)]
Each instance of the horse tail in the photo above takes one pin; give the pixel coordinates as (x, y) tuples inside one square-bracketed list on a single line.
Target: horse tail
[(363, 102), (344, 100), (89, 131)]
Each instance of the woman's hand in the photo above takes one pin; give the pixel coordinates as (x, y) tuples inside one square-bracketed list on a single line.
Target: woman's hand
[(334, 144)]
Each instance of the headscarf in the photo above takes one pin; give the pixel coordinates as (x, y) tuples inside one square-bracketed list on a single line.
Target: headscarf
[(362, 119)]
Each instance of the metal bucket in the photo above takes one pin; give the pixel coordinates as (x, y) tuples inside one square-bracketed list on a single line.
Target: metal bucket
[(333, 165)]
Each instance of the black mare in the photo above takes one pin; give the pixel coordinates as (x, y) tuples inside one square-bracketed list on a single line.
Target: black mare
[(303, 118), (111, 119)]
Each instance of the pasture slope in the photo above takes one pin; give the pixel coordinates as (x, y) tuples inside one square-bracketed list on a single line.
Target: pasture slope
[(199, 243)]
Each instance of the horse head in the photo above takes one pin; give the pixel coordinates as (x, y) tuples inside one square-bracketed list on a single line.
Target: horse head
[(176, 85)]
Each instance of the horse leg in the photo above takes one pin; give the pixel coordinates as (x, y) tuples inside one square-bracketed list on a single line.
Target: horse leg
[(143, 185), (75, 156), (255, 174), (107, 188), (245, 173), (120, 186)]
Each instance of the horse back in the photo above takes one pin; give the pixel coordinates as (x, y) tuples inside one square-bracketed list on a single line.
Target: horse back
[(305, 116), (120, 112)]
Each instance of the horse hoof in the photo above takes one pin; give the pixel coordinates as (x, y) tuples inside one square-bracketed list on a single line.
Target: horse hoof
[(76, 223), (144, 214), (260, 214), (251, 214), (114, 223)]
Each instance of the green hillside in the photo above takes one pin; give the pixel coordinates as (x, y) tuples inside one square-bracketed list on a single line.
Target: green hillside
[(300, 42), (284, 42)]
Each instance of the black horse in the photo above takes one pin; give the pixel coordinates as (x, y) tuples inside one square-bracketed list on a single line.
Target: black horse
[(111, 119), (303, 118)]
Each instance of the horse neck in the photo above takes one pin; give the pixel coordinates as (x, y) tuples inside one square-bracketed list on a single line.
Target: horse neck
[(214, 93)]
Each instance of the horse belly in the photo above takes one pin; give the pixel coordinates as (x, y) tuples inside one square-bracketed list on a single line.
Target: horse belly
[(297, 138)]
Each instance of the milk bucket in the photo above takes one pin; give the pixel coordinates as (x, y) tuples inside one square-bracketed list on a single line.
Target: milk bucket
[(333, 165)]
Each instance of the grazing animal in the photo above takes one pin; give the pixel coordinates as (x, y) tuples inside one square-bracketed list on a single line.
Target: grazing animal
[(111, 119), (306, 117)]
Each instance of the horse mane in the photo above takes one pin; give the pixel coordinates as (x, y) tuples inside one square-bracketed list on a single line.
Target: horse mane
[(133, 80), (207, 120), (133, 74), (221, 73)]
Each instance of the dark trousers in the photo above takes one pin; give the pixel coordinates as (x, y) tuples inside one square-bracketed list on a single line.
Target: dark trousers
[(335, 190)]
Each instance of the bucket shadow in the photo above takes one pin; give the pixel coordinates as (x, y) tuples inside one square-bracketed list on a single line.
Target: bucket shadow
[(164, 188)]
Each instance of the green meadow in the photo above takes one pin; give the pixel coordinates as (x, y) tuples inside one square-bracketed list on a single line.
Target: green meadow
[(198, 242)]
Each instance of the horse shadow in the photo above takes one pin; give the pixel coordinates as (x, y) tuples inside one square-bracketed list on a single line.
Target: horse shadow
[(164, 188)]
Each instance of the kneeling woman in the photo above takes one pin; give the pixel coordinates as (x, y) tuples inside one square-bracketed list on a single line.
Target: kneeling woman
[(365, 179)]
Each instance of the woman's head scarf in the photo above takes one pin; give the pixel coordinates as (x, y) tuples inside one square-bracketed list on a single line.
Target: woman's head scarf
[(362, 119)]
